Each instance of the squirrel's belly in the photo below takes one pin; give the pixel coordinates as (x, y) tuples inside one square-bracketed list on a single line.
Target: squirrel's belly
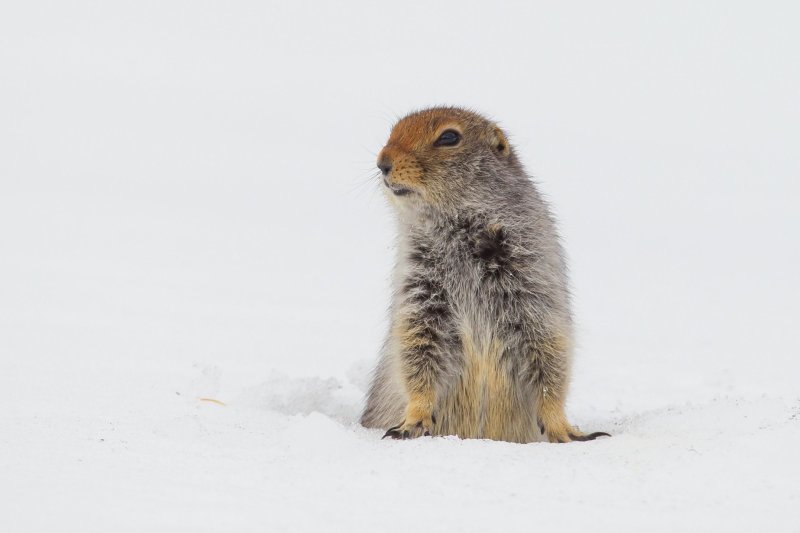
[(488, 401)]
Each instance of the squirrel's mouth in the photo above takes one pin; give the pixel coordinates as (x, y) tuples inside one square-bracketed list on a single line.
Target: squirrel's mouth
[(398, 190)]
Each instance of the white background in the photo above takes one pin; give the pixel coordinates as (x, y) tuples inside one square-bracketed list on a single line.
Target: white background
[(188, 209)]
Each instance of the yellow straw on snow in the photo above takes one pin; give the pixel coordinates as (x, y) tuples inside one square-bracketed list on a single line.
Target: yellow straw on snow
[(212, 400)]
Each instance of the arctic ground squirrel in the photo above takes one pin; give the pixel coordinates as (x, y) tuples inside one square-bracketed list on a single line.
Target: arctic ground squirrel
[(480, 337)]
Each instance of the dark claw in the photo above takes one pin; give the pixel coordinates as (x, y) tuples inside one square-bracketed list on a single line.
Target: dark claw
[(541, 426), (392, 432), (427, 434), (405, 435), (419, 424), (433, 418), (590, 436)]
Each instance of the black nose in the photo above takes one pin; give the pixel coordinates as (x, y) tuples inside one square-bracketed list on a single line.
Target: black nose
[(385, 167)]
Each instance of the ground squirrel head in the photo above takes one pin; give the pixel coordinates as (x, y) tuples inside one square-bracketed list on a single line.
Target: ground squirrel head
[(444, 156)]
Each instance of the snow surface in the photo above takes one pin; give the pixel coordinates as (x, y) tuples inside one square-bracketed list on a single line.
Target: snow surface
[(188, 210)]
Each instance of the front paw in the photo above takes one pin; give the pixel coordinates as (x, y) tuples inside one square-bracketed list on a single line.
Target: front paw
[(411, 429)]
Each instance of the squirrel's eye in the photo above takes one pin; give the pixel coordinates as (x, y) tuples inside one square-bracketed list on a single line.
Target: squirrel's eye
[(448, 138)]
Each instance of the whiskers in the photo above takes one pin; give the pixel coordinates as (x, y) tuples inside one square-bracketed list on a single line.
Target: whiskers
[(369, 181), (370, 178)]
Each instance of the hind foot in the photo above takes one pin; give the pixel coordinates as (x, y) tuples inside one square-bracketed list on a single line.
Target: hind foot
[(419, 422), (553, 422), (562, 432)]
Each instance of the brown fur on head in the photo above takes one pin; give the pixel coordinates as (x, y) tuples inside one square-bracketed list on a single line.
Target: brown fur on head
[(435, 153)]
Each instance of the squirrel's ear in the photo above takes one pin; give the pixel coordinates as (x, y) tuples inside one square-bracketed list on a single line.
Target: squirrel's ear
[(498, 142)]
